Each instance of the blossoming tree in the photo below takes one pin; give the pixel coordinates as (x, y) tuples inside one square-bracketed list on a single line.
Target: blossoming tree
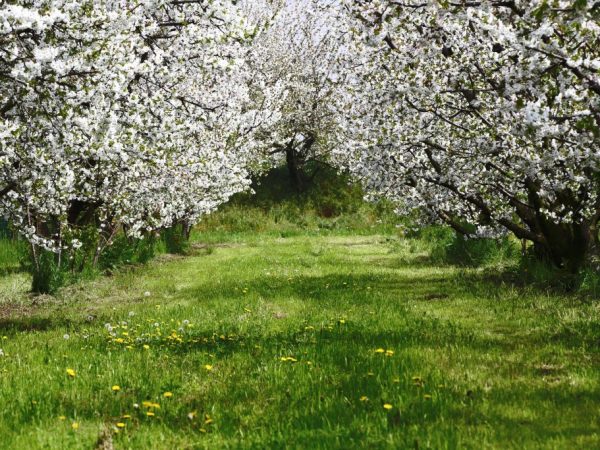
[(297, 61), (485, 113), (121, 115)]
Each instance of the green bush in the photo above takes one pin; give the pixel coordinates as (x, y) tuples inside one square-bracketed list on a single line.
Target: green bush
[(589, 283), (47, 275), (478, 252), (176, 242), (541, 274), (125, 250), (448, 247)]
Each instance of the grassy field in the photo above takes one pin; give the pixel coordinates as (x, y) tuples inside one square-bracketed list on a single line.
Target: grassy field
[(300, 342)]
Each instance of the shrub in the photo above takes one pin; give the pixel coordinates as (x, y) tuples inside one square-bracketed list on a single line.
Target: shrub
[(481, 251), (175, 239), (535, 272), (590, 283), (48, 275), (448, 247), (125, 250)]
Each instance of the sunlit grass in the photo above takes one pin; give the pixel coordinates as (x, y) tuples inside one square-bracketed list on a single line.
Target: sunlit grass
[(306, 342)]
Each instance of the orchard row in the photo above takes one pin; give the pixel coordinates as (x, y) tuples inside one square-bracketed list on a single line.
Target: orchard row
[(139, 115)]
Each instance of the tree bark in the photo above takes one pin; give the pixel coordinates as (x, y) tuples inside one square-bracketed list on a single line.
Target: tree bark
[(294, 170), (570, 246)]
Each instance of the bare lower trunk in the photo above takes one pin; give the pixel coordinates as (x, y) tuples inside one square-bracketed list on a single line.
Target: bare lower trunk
[(570, 246), (293, 165), (186, 229)]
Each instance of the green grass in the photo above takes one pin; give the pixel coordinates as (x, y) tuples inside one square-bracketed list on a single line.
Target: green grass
[(474, 364), (11, 252)]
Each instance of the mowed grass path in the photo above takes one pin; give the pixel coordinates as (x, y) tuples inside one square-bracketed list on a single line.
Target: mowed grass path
[(305, 342)]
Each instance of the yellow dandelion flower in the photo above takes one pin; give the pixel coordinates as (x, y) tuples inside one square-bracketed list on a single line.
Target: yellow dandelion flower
[(120, 425), (207, 419), (202, 430), (75, 425), (168, 395), (62, 418), (364, 398), (389, 352), (208, 367), (116, 388), (126, 416), (427, 396), (387, 406), (147, 404), (146, 347), (71, 373), (380, 350), (288, 359), (150, 414)]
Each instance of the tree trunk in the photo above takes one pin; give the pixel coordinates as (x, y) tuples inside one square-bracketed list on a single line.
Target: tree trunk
[(293, 165), (186, 229), (570, 246)]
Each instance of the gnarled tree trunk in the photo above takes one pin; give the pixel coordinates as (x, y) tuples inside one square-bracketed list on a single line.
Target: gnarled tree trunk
[(293, 164)]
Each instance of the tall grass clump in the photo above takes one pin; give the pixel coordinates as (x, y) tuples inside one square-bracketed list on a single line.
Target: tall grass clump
[(537, 273), (448, 247), (50, 271), (11, 253), (176, 239)]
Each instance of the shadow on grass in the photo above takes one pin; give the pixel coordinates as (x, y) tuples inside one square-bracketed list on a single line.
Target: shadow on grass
[(387, 291), (28, 324), (11, 270)]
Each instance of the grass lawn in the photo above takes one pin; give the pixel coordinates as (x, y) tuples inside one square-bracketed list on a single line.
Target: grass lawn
[(303, 342)]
